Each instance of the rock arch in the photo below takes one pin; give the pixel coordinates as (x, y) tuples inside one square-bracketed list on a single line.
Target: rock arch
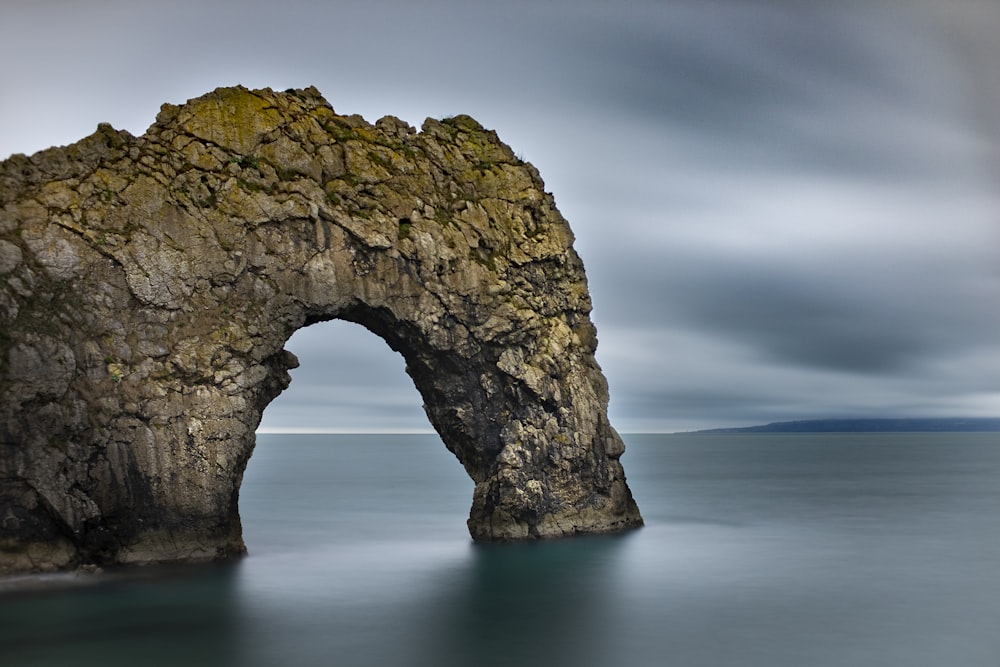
[(148, 285)]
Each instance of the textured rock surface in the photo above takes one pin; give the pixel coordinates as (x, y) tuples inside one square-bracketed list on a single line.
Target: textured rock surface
[(148, 286)]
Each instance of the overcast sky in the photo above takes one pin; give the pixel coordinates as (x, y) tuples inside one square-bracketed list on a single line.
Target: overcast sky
[(788, 209)]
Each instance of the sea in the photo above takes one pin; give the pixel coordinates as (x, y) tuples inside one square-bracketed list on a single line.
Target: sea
[(769, 550)]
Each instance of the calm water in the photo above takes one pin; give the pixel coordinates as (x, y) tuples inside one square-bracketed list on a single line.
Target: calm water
[(798, 550)]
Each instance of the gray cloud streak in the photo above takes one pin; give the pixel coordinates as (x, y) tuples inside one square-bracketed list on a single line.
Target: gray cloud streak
[(787, 209)]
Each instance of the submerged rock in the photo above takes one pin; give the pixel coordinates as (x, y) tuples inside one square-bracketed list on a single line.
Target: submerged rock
[(148, 286)]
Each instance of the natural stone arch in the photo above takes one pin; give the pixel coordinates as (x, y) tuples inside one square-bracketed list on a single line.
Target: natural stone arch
[(150, 284)]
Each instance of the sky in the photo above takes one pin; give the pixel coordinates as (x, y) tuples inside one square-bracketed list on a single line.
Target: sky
[(787, 209)]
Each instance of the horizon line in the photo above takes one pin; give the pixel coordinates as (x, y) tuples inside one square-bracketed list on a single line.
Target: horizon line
[(314, 430)]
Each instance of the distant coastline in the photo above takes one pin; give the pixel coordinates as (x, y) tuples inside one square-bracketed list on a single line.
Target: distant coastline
[(869, 425)]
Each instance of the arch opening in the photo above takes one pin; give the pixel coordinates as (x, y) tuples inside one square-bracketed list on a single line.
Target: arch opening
[(348, 381), (348, 440)]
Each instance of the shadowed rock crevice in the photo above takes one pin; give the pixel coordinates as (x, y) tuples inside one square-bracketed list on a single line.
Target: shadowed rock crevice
[(148, 286)]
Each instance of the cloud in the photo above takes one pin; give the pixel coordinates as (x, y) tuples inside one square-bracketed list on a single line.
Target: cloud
[(853, 91), (349, 380), (685, 379), (868, 313), (786, 209)]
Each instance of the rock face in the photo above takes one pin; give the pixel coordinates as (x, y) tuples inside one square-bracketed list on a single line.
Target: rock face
[(148, 286)]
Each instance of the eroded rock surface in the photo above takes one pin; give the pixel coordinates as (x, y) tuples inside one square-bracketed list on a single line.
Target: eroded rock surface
[(148, 286)]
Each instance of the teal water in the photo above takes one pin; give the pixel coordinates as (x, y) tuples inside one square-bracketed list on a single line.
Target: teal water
[(760, 550)]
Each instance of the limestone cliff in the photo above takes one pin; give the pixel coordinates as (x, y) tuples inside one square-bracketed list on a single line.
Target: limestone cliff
[(148, 286)]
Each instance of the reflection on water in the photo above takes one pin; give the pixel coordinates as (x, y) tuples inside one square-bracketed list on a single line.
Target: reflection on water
[(163, 616), (790, 550), (542, 604)]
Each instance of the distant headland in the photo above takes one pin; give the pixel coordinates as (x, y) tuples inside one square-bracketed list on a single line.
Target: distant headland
[(870, 425)]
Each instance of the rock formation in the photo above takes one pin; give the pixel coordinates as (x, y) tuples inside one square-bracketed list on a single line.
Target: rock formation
[(148, 286)]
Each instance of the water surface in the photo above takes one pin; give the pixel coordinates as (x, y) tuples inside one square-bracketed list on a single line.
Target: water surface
[(815, 549)]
